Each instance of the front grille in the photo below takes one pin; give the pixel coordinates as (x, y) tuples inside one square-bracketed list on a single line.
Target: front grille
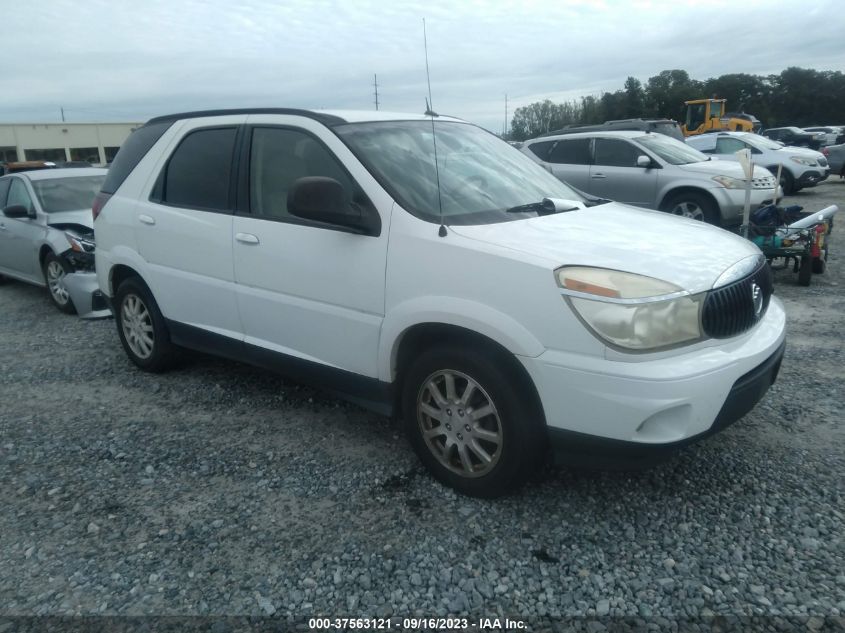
[(764, 182), (732, 309)]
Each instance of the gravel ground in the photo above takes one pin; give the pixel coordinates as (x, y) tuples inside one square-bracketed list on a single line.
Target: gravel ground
[(220, 489)]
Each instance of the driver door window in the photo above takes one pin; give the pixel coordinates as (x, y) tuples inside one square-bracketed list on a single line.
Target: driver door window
[(18, 194), (729, 145), (615, 153)]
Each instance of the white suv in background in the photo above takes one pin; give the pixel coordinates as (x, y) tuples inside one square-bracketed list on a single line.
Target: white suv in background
[(480, 298), (652, 171), (802, 167)]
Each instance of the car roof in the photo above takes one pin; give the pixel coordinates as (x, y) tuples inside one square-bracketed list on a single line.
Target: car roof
[(327, 117), (63, 172), (604, 133)]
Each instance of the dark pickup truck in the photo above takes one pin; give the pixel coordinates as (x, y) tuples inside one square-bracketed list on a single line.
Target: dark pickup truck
[(795, 136)]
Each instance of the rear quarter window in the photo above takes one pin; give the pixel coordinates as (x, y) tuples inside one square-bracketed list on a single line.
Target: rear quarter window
[(131, 152)]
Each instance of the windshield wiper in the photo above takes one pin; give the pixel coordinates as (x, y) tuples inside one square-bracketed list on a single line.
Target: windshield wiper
[(546, 206), (594, 202)]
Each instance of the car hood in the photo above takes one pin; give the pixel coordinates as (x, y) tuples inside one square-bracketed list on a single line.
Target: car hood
[(687, 253), (723, 168), (69, 219), (801, 151)]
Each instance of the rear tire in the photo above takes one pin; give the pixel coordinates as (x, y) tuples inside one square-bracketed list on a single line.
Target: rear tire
[(141, 327), (470, 422), (695, 206), (55, 268)]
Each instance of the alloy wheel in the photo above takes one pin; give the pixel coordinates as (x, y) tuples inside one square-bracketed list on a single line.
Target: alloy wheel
[(459, 423), (137, 326), (56, 283), (689, 210)]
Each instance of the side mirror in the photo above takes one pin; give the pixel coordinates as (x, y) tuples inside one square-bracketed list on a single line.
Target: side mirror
[(323, 200), (643, 161), (17, 211)]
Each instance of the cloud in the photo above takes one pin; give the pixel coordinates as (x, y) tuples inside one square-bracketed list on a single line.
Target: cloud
[(110, 60)]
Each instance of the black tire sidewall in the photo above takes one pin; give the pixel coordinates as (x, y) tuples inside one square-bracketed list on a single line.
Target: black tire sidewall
[(67, 308), (805, 271), (521, 423), (710, 210), (161, 357)]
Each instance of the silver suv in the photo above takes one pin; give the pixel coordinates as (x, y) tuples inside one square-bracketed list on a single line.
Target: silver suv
[(802, 167), (652, 171)]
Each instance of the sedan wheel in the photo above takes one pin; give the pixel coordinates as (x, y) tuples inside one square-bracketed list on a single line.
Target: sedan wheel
[(460, 423), (55, 269)]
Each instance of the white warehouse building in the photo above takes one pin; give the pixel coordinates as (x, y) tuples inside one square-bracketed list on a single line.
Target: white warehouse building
[(96, 143)]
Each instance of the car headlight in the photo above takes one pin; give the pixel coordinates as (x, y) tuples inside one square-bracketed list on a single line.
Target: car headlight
[(80, 244), (730, 183), (632, 312), (803, 161)]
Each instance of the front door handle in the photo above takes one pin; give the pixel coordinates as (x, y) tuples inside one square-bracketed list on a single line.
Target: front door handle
[(597, 176), (246, 238), (147, 219)]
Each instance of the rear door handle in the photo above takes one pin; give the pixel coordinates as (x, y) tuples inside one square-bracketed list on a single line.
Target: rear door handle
[(597, 176), (146, 219), (246, 238)]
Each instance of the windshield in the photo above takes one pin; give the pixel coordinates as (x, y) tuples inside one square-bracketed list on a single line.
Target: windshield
[(672, 151), (67, 194), (761, 142), (481, 176)]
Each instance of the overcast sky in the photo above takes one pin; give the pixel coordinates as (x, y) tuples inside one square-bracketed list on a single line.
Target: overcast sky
[(128, 60)]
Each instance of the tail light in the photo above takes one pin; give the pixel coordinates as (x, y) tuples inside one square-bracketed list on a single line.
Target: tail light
[(99, 202), (825, 151)]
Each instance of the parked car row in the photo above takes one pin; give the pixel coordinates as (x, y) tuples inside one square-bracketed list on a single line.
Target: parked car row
[(800, 167), (653, 171), (494, 308)]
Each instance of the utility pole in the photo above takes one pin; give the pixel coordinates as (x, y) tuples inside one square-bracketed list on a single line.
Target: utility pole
[(505, 133), (63, 114), (375, 86)]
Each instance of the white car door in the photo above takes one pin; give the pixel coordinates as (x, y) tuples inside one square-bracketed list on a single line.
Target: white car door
[(19, 236), (304, 289), (184, 227)]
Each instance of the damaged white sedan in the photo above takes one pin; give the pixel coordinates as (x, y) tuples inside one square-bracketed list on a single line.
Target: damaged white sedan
[(47, 235)]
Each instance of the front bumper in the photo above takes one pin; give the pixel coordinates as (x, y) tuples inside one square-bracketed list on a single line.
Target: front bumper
[(599, 407), (732, 202), (812, 177), (85, 294)]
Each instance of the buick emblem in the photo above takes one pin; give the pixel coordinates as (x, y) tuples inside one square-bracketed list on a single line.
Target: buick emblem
[(757, 298)]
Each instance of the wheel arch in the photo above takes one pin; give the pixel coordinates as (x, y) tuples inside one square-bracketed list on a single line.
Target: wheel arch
[(421, 336), (677, 191)]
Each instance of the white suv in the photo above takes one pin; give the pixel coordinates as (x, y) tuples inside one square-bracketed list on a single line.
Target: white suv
[(480, 298)]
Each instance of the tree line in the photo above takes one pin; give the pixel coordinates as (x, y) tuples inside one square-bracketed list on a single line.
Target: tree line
[(796, 96)]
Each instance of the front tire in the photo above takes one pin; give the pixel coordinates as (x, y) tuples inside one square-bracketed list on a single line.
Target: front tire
[(55, 268), (469, 421), (693, 205), (141, 327), (805, 271)]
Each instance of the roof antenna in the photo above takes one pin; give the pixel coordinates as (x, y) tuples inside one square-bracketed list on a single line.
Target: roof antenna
[(429, 112)]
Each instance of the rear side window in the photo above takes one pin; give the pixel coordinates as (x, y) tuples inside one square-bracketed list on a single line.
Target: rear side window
[(131, 153), (572, 152), (541, 150), (198, 173), (615, 153), (4, 189)]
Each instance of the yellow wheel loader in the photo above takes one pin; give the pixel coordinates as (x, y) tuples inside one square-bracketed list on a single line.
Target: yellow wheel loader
[(708, 115)]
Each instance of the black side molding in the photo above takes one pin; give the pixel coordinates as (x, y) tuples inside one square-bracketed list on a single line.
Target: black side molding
[(370, 393)]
